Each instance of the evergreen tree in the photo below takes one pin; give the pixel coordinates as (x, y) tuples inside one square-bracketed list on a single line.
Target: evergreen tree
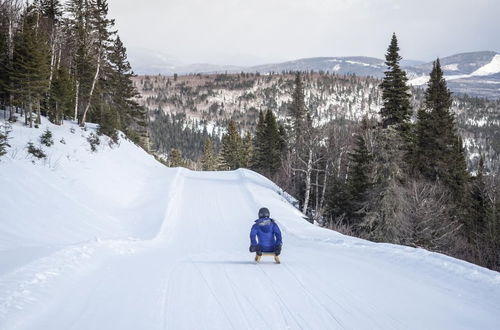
[(439, 151), (79, 30), (269, 144), (30, 69), (383, 211), (273, 145), (175, 158), (209, 159), (134, 116), (297, 112), (4, 139), (479, 206), (231, 152), (4, 56), (109, 121), (358, 180), (259, 155), (396, 108), (101, 39), (61, 96), (247, 151)]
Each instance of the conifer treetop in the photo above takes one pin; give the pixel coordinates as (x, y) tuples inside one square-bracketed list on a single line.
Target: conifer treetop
[(396, 108)]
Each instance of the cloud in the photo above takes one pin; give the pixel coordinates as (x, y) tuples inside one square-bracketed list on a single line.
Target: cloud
[(242, 31)]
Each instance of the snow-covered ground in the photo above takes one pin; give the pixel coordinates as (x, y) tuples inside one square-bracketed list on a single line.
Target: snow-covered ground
[(114, 240)]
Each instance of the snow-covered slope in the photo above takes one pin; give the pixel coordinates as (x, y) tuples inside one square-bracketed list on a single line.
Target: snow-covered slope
[(114, 240), (470, 66)]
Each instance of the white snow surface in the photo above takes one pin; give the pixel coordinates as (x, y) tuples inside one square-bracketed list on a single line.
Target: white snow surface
[(115, 240), (493, 67), (451, 67), (490, 68)]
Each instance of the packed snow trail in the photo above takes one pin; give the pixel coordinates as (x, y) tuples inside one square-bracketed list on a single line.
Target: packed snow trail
[(187, 265)]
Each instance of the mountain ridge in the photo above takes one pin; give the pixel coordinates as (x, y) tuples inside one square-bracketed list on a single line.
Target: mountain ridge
[(458, 69)]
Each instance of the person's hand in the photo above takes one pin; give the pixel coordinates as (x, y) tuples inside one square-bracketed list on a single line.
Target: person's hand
[(253, 248)]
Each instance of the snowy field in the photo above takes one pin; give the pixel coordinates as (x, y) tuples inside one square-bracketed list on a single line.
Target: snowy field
[(115, 240)]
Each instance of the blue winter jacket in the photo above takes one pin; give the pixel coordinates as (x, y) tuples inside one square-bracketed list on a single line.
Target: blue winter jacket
[(266, 233)]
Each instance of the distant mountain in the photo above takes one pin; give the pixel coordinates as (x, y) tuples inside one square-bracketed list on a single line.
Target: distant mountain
[(474, 73)]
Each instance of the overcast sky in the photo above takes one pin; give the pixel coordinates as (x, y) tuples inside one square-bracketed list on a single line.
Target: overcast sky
[(251, 32)]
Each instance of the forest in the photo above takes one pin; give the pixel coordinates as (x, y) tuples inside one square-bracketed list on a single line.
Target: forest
[(386, 162), (65, 60)]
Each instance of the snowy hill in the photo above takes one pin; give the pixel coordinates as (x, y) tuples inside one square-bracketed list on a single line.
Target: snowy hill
[(469, 73), (208, 101), (114, 240), (473, 73)]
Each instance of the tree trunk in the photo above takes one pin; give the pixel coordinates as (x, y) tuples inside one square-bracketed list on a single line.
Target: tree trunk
[(30, 113), (38, 114), (323, 192), (52, 56), (84, 117), (308, 182), (316, 207), (77, 89), (10, 49)]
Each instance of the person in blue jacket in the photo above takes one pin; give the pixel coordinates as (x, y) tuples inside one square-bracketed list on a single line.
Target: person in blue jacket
[(265, 235)]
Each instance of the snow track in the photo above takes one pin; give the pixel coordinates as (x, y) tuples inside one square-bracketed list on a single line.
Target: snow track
[(189, 268)]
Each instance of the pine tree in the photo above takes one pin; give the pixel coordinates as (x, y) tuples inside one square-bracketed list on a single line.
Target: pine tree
[(231, 152), (175, 158), (269, 144), (247, 151), (4, 139), (123, 92), (61, 96), (79, 30), (109, 121), (209, 159), (30, 69), (396, 108), (298, 112), (52, 16), (439, 150), (479, 205), (358, 180), (101, 39), (273, 145), (259, 155), (4, 56)]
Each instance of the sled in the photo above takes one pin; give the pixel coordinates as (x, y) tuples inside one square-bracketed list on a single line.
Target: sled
[(276, 258)]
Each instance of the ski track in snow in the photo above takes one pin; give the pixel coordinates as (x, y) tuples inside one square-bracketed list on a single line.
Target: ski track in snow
[(186, 264)]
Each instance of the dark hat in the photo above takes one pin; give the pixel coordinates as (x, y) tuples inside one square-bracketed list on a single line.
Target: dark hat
[(264, 213)]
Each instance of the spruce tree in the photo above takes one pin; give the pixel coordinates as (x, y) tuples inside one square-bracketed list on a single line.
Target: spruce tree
[(61, 96), (247, 151), (439, 150), (479, 206), (175, 158), (259, 154), (4, 139), (134, 117), (231, 151), (396, 109), (30, 69), (358, 180), (209, 159), (4, 56), (297, 112), (273, 145)]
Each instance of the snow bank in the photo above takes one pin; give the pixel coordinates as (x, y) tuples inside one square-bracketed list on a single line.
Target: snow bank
[(114, 240)]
